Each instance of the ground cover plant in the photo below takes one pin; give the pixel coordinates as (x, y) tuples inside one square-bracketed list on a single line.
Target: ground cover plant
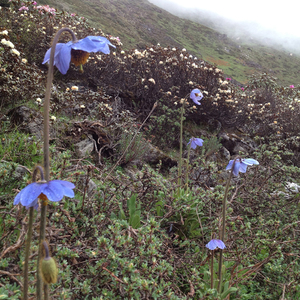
[(137, 228)]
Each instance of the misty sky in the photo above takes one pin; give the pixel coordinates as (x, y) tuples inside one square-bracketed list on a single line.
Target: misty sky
[(277, 20)]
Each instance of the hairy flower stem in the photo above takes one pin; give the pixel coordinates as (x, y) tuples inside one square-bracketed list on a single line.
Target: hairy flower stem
[(223, 226), (46, 154), (212, 271), (29, 236), (187, 169), (27, 252), (180, 149)]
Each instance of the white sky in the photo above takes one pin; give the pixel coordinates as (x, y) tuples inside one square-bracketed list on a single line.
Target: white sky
[(282, 16)]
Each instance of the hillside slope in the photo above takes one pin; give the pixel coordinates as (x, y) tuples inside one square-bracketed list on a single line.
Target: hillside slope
[(139, 23)]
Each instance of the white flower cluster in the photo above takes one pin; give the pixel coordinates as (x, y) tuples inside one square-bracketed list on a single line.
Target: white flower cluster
[(14, 51), (7, 43), (4, 32)]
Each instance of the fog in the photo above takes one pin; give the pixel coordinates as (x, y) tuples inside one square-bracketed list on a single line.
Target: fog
[(274, 23)]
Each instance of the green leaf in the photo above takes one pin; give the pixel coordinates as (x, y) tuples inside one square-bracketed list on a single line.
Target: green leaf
[(228, 291)]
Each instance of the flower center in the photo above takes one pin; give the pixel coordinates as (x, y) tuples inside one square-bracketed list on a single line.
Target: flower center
[(43, 198), (79, 57)]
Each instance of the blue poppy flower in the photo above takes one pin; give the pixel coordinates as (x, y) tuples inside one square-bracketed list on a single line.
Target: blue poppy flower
[(241, 165), (196, 96), (213, 244), (195, 142), (53, 190), (77, 52)]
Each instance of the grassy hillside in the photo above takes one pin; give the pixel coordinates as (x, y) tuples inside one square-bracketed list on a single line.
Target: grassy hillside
[(139, 23), (140, 223)]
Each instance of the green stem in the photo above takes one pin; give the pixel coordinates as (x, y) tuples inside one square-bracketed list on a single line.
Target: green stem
[(27, 252), (46, 291), (212, 271), (180, 151), (223, 226), (187, 168), (46, 154), (29, 237)]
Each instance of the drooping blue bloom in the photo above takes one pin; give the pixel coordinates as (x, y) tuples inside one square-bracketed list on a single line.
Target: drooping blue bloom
[(62, 56), (241, 165), (213, 244), (54, 190), (196, 96), (195, 142)]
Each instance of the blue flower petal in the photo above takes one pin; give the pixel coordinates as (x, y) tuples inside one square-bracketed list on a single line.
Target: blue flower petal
[(57, 50), (196, 96), (199, 142), (229, 166), (63, 58), (67, 187), (93, 44), (195, 142), (243, 167), (220, 244), (236, 168), (213, 244), (250, 161), (34, 204), (29, 194), (53, 191)]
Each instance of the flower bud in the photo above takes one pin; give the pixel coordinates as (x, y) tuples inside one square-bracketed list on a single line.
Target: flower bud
[(49, 270), (48, 267)]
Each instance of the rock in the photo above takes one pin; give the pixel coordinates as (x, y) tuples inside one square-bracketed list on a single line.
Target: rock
[(225, 153), (27, 119), (154, 155), (235, 143), (84, 148), (20, 172)]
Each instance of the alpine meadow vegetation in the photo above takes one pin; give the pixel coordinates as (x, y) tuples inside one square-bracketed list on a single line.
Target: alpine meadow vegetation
[(161, 178)]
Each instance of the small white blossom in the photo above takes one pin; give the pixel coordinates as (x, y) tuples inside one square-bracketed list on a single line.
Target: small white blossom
[(53, 118), (7, 43), (14, 51)]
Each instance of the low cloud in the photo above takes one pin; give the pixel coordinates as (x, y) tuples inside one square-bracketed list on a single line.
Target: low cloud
[(276, 27)]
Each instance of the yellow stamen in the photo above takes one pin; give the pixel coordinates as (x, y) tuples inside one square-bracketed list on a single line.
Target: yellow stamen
[(43, 198), (79, 57)]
